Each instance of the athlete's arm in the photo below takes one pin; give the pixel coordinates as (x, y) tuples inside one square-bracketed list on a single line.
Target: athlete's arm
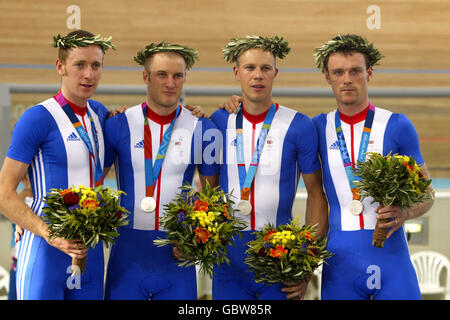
[(212, 180), (197, 111), (407, 140), (16, 210), (105, 171), (316, 203), (232, 104), (399, 215), (316, 213)]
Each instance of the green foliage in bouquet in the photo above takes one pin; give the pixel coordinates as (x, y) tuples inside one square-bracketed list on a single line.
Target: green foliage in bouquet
[(87, 214), (392, 180), (288, 253), (201, 225)]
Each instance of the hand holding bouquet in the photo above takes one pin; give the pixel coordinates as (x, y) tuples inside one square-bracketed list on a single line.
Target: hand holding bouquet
[(392, 180), (288, 253), (86, 214), (201, 225)]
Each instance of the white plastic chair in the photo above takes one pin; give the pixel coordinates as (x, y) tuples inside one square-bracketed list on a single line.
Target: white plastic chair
[(4, 283), (429, 266)]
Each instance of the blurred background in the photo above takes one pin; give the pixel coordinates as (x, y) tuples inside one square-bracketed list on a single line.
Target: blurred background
[(413, 78)]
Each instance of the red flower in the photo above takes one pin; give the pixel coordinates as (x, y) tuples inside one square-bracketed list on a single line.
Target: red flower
[(271, 232), (278, 252), (119, 214), (262, 252), (314, 251), (70, 198), (201, 235), (408, 166), (200, 205)]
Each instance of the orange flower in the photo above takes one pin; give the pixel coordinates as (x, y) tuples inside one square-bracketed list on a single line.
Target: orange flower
[(278, 252), (307, 235), (408, 166), (271, 232), (225, 212), (201, 235), (64, 192), (90, 204), (201, 205)]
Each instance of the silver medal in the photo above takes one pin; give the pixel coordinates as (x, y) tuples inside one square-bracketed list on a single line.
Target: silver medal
[(244, 207), (148, 204), (356, 207)]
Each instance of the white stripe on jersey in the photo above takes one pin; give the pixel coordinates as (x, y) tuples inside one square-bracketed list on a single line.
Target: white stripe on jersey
[(349, 221), (77, 152), (267, 178), (178, 157), (25, 248)]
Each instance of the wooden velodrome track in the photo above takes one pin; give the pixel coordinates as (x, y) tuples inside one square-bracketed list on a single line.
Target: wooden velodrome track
[(414, 36)]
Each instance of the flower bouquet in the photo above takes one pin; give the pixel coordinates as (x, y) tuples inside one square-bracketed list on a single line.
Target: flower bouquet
[(392, 180), (90, 215), (201, 225), (288, 253)]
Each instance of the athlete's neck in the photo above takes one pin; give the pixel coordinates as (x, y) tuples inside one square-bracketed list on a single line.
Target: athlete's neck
[(80, 102), (162, 119), (256, 108), (353, 109), (161, 110), (353, 119), (75, 108)]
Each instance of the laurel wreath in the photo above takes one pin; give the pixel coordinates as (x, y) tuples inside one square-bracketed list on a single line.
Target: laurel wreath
[(346, 43), (278, 46), (189, 55), (75, 42)]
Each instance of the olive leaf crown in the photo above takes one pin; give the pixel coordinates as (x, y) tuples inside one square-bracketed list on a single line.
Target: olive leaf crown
[(277, 46), (346, 43), (189, 55), (76, 41)]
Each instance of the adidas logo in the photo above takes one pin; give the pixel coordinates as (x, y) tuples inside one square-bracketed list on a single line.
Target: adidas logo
[(73, 137), (140, 144), (334, 146), (234, 143)]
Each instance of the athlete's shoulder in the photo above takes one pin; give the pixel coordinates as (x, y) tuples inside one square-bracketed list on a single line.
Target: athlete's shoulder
[(207, 123), (187, 114), (399, 119), (295, 119), (320, 118), (38, 114), (98, 107), (220, 115)]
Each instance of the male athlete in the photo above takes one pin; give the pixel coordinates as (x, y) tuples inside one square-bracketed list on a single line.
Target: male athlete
[(359, 270), (158, 146), (265, 148), (60, 143)]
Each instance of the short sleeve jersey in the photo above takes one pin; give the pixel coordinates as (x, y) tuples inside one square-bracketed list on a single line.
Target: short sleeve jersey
[(45, 138), (192, 145), (291, 148), (391, 132)]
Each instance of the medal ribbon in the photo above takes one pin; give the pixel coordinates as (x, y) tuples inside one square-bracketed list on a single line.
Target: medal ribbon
[(152, 171), (362, 147), (84, 135), (246, 178)]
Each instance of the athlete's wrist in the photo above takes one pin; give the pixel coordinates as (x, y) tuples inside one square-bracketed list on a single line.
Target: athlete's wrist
[(405, 213)]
